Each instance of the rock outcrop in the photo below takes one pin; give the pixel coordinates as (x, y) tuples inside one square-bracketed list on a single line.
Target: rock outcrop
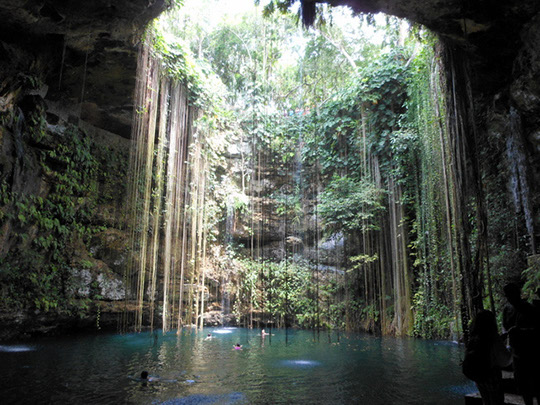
[(67, 76)]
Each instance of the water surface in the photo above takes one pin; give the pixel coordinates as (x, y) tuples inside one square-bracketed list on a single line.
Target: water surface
[(296, 367)]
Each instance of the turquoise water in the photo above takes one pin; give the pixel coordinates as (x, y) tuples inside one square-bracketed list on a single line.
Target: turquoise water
[(286, 368)]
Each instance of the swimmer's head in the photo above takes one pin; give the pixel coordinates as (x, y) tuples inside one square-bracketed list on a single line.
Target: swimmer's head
[(144, 375)]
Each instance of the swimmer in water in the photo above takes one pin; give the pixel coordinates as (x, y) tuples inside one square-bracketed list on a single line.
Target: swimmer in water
[(146, 378), (264, 333), (208, 337), (237, 346)]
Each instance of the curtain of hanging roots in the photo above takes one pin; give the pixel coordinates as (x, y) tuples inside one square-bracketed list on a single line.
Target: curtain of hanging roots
[(160, 192)]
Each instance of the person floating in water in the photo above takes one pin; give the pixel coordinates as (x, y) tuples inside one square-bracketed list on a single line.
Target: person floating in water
[(147, 378), (208, 337), (237, 346)]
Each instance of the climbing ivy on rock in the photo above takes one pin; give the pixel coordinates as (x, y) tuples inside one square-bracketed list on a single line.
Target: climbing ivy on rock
[(46, 223)]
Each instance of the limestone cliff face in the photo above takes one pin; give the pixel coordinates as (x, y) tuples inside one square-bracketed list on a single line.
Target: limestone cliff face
[(84, 53), (67, 75), (282, 221)]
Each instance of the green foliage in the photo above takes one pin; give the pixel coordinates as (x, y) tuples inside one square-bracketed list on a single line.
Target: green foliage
[(281, 136), (350, 205), (174, 3), (432, 320), (289, 205), (288, 292), (111, 172), (340, 108), (361, 260), (285, 290), (45, 226), (531, 275), (352, 119), (180, 65)]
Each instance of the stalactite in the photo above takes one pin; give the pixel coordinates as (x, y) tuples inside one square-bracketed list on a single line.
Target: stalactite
[(400, 266), (178, 196), (183, 259), (394, 254), (135, 161), (200, 236), (203, 273), (182, 246), (382, 266), (259, 232), (195, 212), (176, 132), (253, 210)]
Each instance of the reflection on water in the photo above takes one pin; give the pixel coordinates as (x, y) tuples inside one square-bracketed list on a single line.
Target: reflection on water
[(15, 348), (223, 331), (294, 368), (300, 363), (199, 399)]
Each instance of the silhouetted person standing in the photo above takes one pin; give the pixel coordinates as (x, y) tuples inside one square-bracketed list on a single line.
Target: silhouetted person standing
[(522, 321), (486, 355)]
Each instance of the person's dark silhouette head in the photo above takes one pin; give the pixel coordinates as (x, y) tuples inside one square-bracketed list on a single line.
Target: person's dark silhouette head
[(144, 375), (484, 325), (512, 292)]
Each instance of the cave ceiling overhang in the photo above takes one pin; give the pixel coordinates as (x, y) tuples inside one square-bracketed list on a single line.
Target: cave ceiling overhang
[(489, 31), (98, 38), (84, 51), (77, 20)]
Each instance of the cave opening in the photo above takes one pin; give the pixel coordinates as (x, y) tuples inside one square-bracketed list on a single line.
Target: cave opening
[(315, 152), (365, 174)]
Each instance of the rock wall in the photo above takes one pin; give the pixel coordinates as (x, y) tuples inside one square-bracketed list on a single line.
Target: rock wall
[(67, 75), (271, 231)]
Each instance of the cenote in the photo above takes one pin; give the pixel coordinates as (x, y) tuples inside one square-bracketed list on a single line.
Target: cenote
[(285, 368), (183, 165)]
